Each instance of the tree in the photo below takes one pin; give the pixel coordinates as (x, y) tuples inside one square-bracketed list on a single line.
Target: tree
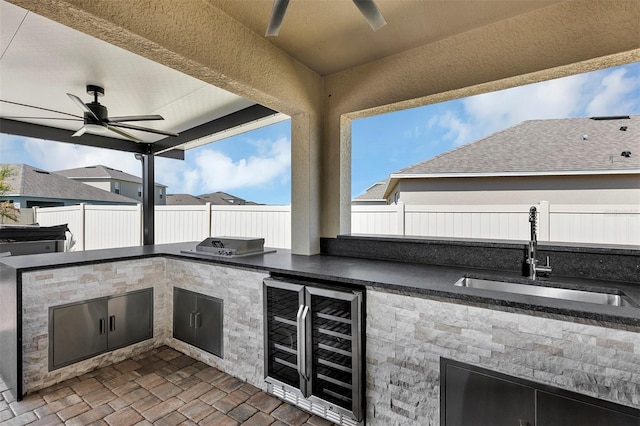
[(7, 209)]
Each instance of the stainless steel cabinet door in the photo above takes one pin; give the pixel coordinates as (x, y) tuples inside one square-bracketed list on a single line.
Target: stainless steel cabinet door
[(184, 310), (77, 332), (130, 318), (556, 410), (208, 324), (197, 320), (473, 398)]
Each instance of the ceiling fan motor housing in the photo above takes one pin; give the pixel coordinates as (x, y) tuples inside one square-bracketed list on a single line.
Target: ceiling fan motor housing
[(99, 110)]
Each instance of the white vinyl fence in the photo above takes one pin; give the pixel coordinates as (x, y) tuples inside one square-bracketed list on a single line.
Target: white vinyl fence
[(96, 227)]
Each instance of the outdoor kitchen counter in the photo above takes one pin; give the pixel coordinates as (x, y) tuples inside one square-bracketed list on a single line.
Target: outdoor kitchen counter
[(396, 277)]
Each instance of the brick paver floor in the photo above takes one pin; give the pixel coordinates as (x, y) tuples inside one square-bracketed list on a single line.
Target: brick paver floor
[(159, 387)]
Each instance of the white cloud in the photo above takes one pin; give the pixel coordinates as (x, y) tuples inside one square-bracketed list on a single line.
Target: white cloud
[(212, 170), (55, 156), (611, 100), (599, 93)]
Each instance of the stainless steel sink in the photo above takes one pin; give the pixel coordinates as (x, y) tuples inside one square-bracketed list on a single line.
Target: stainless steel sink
[(611, 299)]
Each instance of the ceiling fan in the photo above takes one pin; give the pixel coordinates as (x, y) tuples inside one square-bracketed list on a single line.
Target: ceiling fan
[(96, 117), (368, 9)]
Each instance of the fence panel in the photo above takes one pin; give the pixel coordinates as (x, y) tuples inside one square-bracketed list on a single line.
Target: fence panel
[(508, 222), (176, 224), (381, 220), (112, 226), (120, 226), (613, 224), (273, 223), (73, 216)]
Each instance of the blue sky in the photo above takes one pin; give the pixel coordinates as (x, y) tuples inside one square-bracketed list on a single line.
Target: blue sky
[(257, 165)]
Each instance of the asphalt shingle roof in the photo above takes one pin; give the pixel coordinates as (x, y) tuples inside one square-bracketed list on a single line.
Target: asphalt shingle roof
[(100, 172), (216, 198), (28, 181), (568, 144), (374, 192)]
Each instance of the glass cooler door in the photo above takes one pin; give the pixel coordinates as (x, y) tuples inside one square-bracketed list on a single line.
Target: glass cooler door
[(335, 352), (283, 311)]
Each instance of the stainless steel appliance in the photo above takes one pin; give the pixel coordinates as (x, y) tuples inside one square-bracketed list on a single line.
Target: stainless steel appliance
[(229, 247), (313, 348)]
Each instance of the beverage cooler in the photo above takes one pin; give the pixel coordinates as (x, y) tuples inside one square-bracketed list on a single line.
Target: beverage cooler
[(313, 348)]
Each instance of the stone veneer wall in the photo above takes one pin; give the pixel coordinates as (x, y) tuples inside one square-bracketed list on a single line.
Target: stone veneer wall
[(406, 336), (42, 289), (241, 290)]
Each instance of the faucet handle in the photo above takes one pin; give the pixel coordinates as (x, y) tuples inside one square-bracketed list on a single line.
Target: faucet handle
[(544, 269)]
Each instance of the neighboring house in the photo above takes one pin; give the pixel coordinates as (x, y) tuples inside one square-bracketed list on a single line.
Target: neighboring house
[(115, 181), (31, 187), (215, 198), (563, 161), (373, 196)]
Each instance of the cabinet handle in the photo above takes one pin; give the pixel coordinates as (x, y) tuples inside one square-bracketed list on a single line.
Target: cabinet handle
[(302, 337), (198, 320), (102, 326), (191, 319), (112, 323)]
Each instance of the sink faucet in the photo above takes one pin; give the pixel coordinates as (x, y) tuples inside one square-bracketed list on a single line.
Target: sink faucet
[(534, 268)]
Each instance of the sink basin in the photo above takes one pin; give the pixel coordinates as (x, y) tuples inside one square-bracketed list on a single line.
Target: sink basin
[(611, 299)]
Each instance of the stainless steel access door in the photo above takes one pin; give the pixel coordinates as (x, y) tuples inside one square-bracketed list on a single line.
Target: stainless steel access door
[(334, 349)]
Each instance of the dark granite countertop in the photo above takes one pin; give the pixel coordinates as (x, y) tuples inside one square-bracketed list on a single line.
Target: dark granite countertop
[(420, 280)]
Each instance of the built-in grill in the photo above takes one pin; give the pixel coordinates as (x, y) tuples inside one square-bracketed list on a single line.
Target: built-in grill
[(229, 247)]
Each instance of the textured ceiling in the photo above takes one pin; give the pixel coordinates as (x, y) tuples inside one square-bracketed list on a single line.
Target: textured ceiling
[(330, 36)]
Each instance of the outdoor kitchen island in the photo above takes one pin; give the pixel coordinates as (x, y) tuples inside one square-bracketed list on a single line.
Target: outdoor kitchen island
[(415, 319)]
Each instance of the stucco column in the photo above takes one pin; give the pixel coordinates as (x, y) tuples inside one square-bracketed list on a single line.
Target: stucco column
[(336, 175), (306, 140)]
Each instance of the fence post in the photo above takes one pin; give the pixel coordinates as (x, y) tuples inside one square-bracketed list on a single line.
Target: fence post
[(141, 226), (83, 227), (207, 218), (543, 221), (401, 218)]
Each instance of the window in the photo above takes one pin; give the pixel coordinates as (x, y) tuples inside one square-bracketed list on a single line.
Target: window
[(139, 190), (116, 187)]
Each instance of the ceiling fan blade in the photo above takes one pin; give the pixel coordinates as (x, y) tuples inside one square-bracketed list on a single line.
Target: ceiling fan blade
[(44, 118), (79, 132), (83, 107), (277, 15), (123, 133), (43, 109), (371, 13), (144, 129), (135, 118)]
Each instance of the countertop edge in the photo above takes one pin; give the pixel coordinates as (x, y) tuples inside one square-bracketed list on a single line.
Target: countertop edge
[(305, 269)]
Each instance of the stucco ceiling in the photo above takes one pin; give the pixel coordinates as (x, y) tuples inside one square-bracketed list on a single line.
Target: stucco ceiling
[(330, 36), (41, 61)]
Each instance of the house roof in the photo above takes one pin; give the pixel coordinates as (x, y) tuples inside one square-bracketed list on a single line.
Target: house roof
[(216, 198), (183, 200), (543, 146), (100, 172), (566, 146), (373, 193), (223, 198), (30, 181)]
